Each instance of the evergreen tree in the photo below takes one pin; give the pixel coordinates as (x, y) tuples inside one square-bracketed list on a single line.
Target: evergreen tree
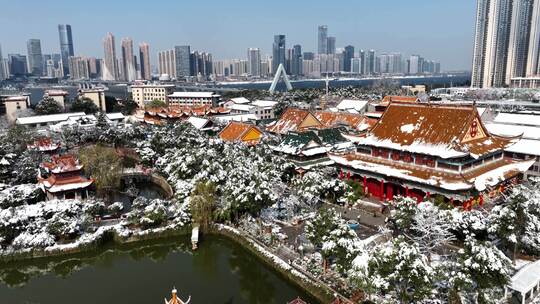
[(48, 106)]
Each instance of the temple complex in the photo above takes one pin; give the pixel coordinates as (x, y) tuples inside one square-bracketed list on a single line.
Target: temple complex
[(418, 150)]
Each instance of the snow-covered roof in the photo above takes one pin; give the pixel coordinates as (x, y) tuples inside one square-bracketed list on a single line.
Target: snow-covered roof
[(242, 107), (240, 100), (241, 117), (526, 278), (529, 132), (518, 119), (197, 122), (438, 130), (47, 118), (193, 95), (479, 178), (56, 93), (481, 110), (348, 104), (115, 116), (526, 146), (16, 98), (264, 103)]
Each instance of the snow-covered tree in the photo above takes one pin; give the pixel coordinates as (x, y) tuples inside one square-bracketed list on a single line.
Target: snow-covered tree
[(325, 221), (431, 228), (403, 214), (516, 221), (343, 245), (401, 268)]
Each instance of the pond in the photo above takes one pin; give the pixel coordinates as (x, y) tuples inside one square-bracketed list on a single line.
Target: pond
[(219, 272)]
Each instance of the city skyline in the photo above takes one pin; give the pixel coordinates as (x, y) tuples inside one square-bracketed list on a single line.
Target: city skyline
[(451, 45)]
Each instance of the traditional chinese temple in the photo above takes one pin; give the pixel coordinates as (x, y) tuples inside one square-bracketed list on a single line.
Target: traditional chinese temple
[(45, 145), (175, 299), (298, 120), (419, 150), (157, 116), (246, 133), (63, 178)]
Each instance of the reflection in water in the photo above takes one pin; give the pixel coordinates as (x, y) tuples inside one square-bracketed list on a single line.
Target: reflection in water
[(219, 272), (256, 291)]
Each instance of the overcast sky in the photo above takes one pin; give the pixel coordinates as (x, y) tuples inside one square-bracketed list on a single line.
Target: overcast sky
[(436, 29)]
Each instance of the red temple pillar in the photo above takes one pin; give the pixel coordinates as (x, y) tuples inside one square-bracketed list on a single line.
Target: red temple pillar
[(349, 175), (382, 190), (428, 195), (365, 184), (406, 191), (341, 174)]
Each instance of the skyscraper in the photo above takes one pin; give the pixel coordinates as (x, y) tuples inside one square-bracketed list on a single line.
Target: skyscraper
[(278, 52), (254, 62), (66, 45), (110, 64), (144, 56), (348, 55), (492, 34), (322, 39), (167, 63), (17, 64), (519, 39), (533, 58), (2, 69), (182, 60), (35, 57), (362, 67), (371, 63), (331, 45), (414, 64), (296, 60), (128, 60)]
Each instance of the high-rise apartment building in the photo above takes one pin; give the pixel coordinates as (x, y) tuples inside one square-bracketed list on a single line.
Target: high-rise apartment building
[(254, 62), (182, 55), (492, 36), (144, 56), (110, 63), (371, 63), (3, 74), (322, 40), (129, 71), (348, 55), (79, 68), (533, 54), (278, 52), (167, 63), (17, 64), (331, 45), (414, 65), (35, 57), (296, 60), (66, 45)]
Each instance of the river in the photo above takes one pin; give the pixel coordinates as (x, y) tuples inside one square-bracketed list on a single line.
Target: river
[(219, 272)]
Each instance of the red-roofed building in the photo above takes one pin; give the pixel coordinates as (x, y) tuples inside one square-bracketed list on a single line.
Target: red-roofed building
[(44, 145), (420, 150), (64, 178), (298, 120), (241, 132)]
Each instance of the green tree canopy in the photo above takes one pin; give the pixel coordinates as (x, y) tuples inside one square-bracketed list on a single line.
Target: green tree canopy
[(203, 204), (104, 165), (48, 106), (156, 103), (85, 105)]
